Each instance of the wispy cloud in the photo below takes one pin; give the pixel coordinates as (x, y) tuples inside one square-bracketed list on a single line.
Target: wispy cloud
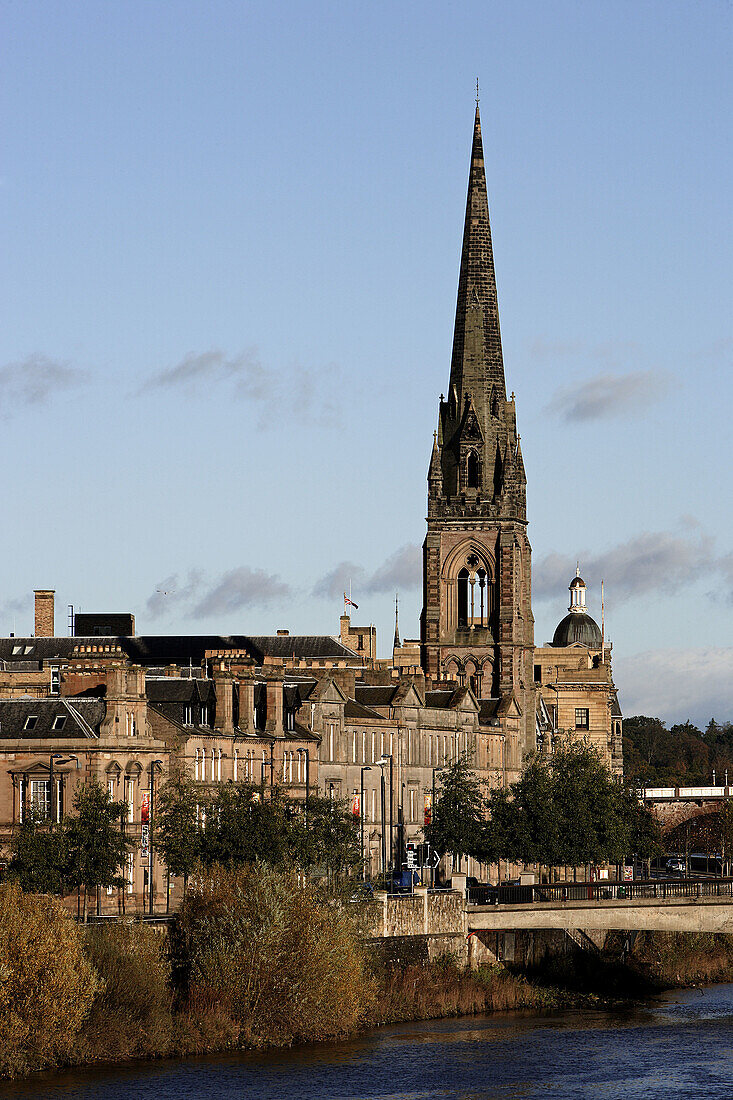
[(677, 684), (241, 588), (338, 580), (196, 597), (609, 395), (35, 380), (399, 572), (290, 391), (652, 562), (21, 606)]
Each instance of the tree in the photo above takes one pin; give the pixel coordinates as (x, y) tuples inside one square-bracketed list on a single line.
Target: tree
[(177, 835), (326, 834), (458, 823), (96, 846), (567, 809), (39, 860), (242, 827)]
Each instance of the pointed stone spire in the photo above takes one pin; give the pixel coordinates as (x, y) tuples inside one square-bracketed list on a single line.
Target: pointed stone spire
[(397, 643), (435, 473), (477, 357)]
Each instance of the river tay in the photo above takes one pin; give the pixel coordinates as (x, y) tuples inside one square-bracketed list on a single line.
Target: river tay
[(677, 1046)]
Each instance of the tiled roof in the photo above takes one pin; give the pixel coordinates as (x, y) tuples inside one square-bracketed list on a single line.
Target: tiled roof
[(16, 718), (180, 649), (352, 709), (375, 695)]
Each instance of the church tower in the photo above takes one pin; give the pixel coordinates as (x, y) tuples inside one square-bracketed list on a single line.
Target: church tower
[(477, 624)]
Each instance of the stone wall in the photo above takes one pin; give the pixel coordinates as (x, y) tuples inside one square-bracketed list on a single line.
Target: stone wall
[(420, 914)]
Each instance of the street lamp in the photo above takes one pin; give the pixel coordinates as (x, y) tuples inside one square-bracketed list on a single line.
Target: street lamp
[(384, 759), (306, 753), (62, 759), (151, 895), (367, 768)]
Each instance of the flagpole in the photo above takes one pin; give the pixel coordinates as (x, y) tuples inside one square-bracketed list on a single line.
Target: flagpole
[(603, 625)]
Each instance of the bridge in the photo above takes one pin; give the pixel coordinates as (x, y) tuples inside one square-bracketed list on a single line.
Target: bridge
[(673, 806), (699, 905)]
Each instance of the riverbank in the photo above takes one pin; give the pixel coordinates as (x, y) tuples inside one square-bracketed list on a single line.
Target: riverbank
[(255, 961)]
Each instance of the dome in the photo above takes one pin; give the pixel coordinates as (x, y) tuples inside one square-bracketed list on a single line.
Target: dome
[(577, 582), (578, 627)]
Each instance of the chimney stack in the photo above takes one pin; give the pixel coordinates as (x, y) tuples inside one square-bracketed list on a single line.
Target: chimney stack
[(44, 613)]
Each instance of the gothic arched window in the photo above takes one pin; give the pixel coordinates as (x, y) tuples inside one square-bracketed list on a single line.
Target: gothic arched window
[(463, 598), (472, 470)]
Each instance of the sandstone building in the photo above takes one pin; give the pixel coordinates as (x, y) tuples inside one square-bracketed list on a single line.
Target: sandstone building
[(326, 713)]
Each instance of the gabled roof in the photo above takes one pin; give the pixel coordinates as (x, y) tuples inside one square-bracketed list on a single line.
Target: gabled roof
[(356, 710), (375, 695)]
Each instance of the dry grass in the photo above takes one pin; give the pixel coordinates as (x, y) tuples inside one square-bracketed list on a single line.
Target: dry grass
[(683, 958), (427, 991)]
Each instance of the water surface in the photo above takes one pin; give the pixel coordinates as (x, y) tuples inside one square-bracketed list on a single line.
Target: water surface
[(678, 1046)]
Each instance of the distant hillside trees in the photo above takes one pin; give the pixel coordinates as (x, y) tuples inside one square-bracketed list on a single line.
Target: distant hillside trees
[(682, 755)]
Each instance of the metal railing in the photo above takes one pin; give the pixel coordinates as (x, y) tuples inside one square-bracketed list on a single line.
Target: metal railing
[(559, 892)]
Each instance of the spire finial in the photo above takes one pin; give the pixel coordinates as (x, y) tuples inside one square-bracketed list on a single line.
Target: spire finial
[(577, 569), (477, 91)]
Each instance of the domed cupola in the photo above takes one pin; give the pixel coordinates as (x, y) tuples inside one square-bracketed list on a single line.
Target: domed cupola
[(578, 628)]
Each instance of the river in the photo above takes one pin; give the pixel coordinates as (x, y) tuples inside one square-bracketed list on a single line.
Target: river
[(678, 1045)]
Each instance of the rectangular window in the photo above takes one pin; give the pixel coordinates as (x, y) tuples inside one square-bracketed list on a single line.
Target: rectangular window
[(41, 799), (409, 746), (31, 722), (204, 716), (55, 681), (58, 723), (130, 797), (413, 803), (188, 715), (353, 746), (538, 674), (374, 746), (331, 741), (582, 718)]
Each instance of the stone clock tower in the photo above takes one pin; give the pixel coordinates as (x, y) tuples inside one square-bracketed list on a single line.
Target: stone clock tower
[(477, 625)]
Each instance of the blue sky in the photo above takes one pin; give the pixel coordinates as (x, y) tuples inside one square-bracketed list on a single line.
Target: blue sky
[(231, 235)]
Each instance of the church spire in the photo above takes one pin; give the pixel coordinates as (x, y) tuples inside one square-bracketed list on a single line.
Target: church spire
[(477, 362), (396, 644)]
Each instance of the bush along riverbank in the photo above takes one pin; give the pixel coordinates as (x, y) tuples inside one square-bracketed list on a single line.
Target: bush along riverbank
[(254, 959)]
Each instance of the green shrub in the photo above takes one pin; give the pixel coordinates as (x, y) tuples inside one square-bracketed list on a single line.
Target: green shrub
[(47, 985), (267, 951)]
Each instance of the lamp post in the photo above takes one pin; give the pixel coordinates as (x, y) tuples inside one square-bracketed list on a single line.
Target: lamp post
[(306, 753), (387, 758), (367, 768), (263, 769), (151, 892)]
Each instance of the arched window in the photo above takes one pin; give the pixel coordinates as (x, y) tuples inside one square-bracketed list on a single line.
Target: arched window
[(463, 598), (472, 471)]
